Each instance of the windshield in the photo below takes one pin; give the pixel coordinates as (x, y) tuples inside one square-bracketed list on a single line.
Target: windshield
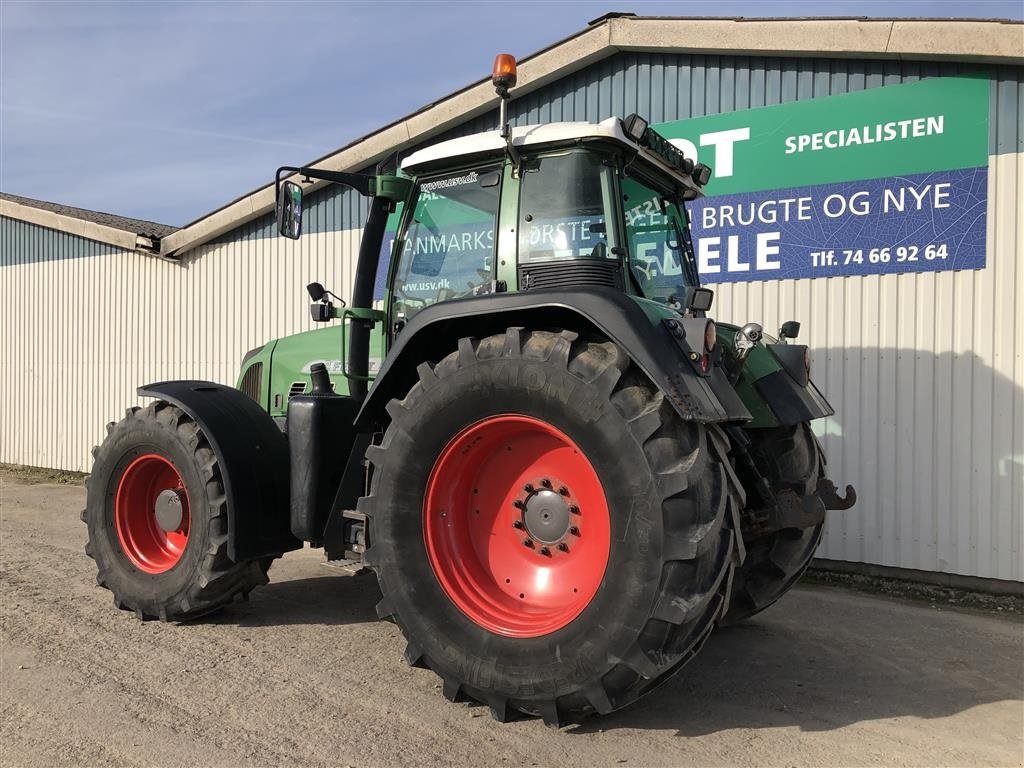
[(660, 253)]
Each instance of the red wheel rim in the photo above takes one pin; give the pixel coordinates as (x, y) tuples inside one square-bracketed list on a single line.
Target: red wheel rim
[(516, 526), (143, 538)]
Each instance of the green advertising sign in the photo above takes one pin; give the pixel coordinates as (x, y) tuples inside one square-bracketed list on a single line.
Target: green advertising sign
[(931, 125)]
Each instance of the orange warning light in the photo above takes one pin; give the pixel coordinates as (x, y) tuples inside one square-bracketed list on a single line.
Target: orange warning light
[(504, 73)]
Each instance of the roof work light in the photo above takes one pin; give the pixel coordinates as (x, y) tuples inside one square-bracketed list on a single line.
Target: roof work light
[(635, 127)]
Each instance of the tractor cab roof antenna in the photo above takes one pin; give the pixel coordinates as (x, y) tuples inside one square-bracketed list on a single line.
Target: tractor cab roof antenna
[(503, 77)]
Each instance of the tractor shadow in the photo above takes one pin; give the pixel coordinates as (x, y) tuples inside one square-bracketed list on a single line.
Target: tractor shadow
[(328, 600), (823, 658)]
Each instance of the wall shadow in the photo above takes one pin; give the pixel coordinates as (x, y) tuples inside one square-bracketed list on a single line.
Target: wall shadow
[(927, 439)]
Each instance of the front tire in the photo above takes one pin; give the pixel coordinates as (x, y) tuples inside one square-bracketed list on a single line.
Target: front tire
[(157, 518), (791, 460), (480, 449)]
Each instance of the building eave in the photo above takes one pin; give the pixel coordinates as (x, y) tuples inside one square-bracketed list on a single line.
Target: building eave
[(90, 230)]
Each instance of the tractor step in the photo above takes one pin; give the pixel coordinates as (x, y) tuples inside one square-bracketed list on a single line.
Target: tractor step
[(345, 537), (351, 567)]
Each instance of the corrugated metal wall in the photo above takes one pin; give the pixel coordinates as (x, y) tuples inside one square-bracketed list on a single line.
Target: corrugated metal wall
[(84, 324), (926, 375), (926, 371)]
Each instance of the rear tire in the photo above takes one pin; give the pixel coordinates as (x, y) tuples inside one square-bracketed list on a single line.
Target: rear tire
[(790, 459), (669, 508), (176, 570)]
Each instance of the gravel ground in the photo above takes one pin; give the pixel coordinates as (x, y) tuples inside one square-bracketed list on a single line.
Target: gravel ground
[(304, 674)]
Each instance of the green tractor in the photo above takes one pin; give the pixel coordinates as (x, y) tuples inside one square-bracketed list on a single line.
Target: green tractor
[(563, 473)]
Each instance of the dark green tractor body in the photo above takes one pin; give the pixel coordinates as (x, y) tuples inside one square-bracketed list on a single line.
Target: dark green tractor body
[(563, 473)]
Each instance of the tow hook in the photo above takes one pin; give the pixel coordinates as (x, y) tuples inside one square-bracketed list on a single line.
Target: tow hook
[(829, 495)]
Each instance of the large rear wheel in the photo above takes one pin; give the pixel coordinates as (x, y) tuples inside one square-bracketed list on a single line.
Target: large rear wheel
[(549, 535), (156, 513)]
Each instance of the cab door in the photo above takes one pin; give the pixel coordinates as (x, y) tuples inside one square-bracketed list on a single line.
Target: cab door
[(446, 248)]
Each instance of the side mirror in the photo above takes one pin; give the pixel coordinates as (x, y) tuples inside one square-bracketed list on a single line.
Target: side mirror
[(289, 210), (790, 330), (699, 299)]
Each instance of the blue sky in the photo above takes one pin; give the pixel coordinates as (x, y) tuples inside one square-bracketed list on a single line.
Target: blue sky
[(165, 111)]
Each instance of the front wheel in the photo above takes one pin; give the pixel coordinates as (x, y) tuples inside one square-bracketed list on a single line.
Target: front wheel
[(157, 518), (549, 535), (791, 460)]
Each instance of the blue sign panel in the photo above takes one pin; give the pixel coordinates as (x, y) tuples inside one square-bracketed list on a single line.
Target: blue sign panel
[(920, 223)]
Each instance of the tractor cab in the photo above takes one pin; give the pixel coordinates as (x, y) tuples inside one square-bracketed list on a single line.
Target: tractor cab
[(557, 206)]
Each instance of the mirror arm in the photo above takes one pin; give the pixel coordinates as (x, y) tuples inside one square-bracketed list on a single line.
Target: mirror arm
[(360, 182)]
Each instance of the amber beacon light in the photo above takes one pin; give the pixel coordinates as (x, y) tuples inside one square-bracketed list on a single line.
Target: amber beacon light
[(503, 75)]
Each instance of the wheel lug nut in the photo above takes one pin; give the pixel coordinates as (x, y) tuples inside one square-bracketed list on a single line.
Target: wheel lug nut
[(563, 490), (528, 543), (545, 551), (574, 531), (517, 504), (528, 488), (563, 547), (546, 483), (574, 509), (517, 524)]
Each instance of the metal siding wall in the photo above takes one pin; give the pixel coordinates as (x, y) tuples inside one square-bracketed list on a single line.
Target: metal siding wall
[(85, 324), (926, 371)]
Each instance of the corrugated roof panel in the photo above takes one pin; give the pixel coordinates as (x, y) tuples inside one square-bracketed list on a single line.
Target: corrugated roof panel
[(136, 226)]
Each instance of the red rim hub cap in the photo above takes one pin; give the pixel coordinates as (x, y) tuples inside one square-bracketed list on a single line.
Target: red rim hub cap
[(151, 514), (516, 526)]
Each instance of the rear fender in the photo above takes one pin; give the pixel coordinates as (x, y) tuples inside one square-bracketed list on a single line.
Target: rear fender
[(253, 457), (638, 326)]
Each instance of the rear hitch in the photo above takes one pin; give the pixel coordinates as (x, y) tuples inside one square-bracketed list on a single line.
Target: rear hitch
[(830, 496)]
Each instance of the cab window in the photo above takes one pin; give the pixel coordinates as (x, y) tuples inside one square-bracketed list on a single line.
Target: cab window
[(659, 257), (448, 248), (563, 203)]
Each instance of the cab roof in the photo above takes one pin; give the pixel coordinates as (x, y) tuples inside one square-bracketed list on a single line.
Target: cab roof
[(491, 144), (524, 136)]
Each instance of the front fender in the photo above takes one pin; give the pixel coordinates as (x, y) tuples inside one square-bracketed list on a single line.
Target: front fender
[(253, 457), (635, 325), (773, 385)]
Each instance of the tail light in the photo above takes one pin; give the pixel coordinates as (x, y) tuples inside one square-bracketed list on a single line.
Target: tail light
[(710, 337)]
